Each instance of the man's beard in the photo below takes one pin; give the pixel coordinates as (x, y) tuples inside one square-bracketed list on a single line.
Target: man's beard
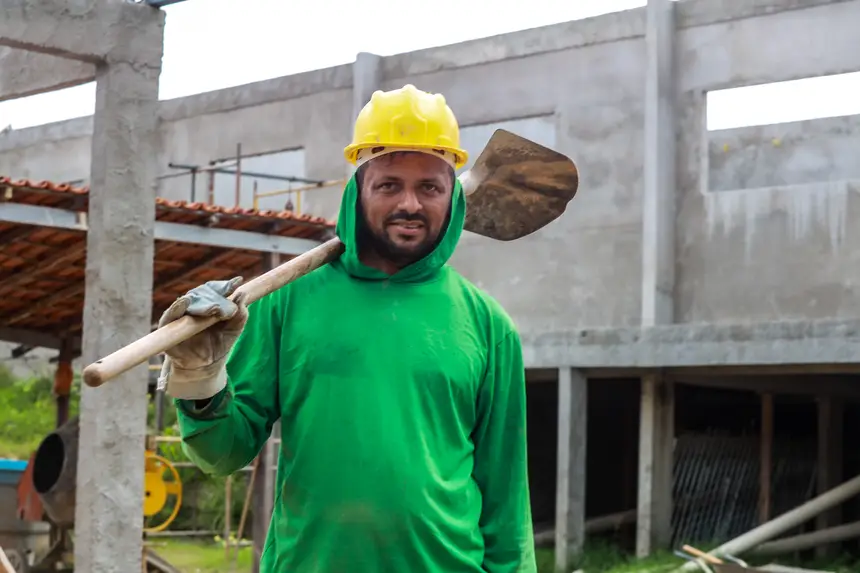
[(385, 247)]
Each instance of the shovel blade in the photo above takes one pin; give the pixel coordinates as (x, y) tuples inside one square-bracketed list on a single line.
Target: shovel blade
[(521, 187)]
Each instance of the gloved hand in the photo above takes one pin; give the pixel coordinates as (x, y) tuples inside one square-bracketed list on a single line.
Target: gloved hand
[(196, 369)]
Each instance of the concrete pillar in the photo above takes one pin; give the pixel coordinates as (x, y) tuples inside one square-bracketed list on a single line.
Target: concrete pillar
[(118, 306), (656, 442), (830, 471), (366, 79), (570, 480), (658, 217)]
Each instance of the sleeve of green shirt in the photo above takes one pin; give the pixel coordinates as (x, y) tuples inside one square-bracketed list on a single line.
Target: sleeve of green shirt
[(501, 468), (228, 432)]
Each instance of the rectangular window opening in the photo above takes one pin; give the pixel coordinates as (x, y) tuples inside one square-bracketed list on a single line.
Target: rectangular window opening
[(540, 129), (48, 107), (800, 132)]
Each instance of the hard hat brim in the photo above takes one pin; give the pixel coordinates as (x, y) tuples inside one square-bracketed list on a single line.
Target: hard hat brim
[(350, 152)]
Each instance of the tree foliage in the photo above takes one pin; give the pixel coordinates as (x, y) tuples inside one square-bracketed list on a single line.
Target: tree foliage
[(30, 413)]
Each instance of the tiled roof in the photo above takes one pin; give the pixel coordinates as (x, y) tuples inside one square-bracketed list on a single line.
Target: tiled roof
[(42, 269), (54, 193)]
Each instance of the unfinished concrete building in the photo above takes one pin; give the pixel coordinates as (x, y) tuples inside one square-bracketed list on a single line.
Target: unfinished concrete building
[(699, 281)]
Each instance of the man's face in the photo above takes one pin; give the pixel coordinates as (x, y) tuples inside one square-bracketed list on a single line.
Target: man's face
[(405, 199)]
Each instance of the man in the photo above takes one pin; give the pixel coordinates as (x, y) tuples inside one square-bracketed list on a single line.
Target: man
[(399, 385)]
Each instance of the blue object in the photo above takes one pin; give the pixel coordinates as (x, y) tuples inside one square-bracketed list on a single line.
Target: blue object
[(11, 470)]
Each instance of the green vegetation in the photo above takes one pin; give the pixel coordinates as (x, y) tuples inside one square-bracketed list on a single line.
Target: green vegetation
[(202, 557), (29, 413), (209, 557)]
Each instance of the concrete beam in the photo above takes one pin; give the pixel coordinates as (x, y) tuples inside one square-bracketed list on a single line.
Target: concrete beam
[(118, 301), (25, 73), (823, 385), (35, 339), (612, 27), (570, 479), (811, 343), (164, 231), (658, 213), (87, 30), (656, 440)]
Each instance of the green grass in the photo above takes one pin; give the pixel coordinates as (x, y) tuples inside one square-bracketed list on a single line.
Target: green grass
[(208, 557), (599, 557), (202, 556)]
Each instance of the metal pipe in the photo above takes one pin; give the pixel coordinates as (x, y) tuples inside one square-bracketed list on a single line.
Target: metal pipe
[(238, 174), (210, 197), (194, 168), (319, 185), (257, 174), (297, 190), (599, 524), (786, 521), (809, 540)]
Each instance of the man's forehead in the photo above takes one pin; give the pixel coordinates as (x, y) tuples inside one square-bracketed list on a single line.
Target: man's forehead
[(407, 164)]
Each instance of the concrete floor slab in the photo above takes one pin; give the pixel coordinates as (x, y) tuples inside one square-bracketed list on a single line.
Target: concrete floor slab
[(817, 343)]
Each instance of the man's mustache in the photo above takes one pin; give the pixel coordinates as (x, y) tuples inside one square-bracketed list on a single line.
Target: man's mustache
[(404, 216)]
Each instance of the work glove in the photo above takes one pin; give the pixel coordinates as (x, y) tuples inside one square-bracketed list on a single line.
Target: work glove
[(196, 369)]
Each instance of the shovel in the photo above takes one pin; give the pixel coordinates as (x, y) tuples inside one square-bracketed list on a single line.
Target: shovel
[(515, 187)]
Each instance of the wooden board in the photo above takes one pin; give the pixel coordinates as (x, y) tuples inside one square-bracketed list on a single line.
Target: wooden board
[(5, 566)]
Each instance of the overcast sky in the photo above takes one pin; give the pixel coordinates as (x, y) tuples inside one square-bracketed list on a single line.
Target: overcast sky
[(212, 44)]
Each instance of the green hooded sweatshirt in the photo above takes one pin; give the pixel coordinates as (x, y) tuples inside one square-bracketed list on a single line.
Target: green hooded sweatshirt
[(402, 403)]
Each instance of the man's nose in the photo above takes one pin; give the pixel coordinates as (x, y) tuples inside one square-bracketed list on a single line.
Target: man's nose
[(409, 201)]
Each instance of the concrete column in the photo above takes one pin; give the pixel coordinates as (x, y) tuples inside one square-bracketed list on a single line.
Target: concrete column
[(118, 306), (656, 442), (658, 217), (366, 79), (570, 480), (830, 471)]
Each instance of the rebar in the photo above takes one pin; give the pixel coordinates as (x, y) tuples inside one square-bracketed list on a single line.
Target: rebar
[(716, 484)]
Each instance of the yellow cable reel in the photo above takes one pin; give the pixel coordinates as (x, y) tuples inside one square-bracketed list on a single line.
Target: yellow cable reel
[(157, 490)]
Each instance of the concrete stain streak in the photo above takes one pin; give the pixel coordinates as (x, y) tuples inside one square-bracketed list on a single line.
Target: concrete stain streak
[(806, 209)]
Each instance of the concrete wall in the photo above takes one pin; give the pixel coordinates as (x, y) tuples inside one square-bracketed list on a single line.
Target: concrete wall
[(769, 252)]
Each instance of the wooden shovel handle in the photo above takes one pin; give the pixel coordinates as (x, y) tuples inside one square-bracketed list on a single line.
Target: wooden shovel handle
[(165, 338), (701, 554)]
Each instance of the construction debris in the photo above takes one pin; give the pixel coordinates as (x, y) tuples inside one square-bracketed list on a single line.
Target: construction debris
[(730, 564)]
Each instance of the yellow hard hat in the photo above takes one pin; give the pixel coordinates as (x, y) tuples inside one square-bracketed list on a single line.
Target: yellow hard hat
[(407, 118)]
